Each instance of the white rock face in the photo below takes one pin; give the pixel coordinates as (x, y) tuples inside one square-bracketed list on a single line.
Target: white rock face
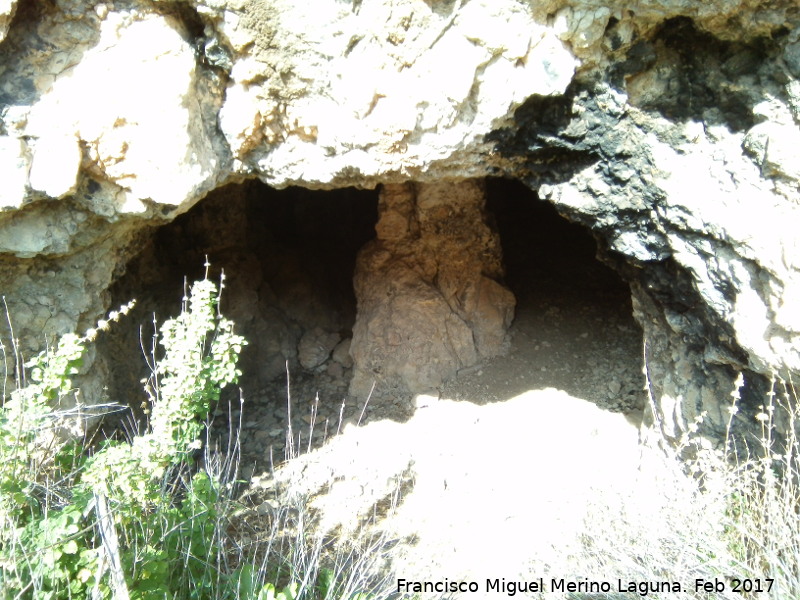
[(55, 164), (718, 197), (676, 146), (386, 91), (140, 129), (388, 88)]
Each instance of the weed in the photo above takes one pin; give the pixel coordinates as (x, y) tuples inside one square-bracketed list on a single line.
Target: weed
[(139, 519)]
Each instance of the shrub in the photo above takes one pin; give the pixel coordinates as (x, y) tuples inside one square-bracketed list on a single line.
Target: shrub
[(129, 515), (137, 519)]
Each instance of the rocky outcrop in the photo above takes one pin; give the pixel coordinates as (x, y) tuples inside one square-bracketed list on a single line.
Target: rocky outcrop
[(669, 131), (688, 211), (430, 301)]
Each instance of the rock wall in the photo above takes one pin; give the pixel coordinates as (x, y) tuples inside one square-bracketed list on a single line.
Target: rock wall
[(667, 128), (699, 221), (288, 258), (430, 301)]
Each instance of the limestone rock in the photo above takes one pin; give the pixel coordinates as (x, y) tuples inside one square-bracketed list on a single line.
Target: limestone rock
[(427, 303), (341, 354), (669, 131), (408, 109), (55, 165)]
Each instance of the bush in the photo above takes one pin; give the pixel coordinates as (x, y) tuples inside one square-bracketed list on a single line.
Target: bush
[(130, 519), (138, 519)]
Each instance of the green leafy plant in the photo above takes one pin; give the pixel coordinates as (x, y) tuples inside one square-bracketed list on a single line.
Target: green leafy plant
[(53, 544), (138, 519)]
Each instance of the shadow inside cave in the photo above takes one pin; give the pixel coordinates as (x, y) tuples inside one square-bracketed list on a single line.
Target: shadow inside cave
[(573, 329), (289, 258)]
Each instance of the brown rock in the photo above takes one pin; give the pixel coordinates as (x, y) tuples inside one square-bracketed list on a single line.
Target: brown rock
[(315, 347), (429, 302)]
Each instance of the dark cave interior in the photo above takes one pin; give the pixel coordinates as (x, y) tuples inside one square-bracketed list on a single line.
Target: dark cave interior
[(289, 257), (544, 254)]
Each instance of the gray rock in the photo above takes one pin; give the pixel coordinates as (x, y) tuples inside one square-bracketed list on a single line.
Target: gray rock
[(427, 288), (341, 354), (316, 346), (791, 55)]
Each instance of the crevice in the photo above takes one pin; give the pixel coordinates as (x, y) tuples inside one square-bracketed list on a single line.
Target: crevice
[(686, 74), (210, 49)]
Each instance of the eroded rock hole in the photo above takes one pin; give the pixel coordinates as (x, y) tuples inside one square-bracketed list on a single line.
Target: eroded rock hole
[(573, 328), (428, 268), (288, 258)]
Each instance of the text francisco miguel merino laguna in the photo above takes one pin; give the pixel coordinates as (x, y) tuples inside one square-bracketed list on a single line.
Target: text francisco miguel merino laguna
[(511, 588)]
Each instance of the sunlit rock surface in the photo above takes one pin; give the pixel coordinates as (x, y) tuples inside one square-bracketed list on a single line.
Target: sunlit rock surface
[(669, 131)]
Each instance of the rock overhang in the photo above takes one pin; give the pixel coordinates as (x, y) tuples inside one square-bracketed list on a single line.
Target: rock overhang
[(560, 96)]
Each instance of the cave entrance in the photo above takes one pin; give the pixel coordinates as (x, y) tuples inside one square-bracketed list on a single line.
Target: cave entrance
[(288, 257), (573, 328)]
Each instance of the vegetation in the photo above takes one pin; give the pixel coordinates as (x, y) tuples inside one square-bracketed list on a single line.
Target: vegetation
[(140, 518), (156, 516)]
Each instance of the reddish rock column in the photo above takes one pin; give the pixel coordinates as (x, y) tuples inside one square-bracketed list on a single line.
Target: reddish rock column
[(430, 301)]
